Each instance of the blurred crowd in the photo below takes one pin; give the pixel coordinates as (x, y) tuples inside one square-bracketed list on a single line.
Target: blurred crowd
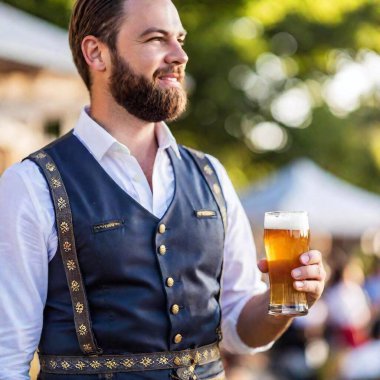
[(338, 340)]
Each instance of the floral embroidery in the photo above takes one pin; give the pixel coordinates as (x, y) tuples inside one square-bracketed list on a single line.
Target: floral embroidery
[(128, 363), (67, 246), (75, 286), (208, 170), (111, 364), (53, 364), (82, 330), (80, 365), (95, 364), (163, 360), (146, 362), (40, 156), (217, 189), (65, 365), (79, 308), (61, 204), (71, 265), (64, 227), (55, 182), (50, 167)]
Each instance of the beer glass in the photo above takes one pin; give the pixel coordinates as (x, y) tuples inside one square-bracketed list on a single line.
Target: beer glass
[(286, 237)]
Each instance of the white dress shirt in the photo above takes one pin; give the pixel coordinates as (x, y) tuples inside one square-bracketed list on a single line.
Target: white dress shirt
[(28, 241)]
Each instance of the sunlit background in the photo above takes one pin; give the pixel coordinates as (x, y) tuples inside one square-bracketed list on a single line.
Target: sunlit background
[(286, 95)]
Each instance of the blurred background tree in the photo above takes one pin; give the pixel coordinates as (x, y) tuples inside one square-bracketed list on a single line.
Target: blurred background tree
[(271, 81)]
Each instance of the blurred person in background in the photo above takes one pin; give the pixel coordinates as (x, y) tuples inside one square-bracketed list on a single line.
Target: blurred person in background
[(112, 238), (362, 363), (348, 305), (372, 287), (302, 350)]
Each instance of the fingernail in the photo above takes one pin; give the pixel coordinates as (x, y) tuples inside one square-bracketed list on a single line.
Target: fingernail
[(299, 284), (296, 273), (305, 259)]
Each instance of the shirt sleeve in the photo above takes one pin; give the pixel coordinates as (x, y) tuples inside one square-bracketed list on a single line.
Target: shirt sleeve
[(26, 227), (241, 278)]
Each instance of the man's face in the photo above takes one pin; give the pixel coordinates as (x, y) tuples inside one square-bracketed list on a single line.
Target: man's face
[(148, 68)]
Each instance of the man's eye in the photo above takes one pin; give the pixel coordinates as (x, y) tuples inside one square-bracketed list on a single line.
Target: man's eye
[(156, 39), (182, 42)]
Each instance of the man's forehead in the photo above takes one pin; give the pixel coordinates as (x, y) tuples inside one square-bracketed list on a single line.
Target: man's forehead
[(145, 16)]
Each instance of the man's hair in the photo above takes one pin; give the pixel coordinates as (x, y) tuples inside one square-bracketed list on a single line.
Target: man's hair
[(99, 18)]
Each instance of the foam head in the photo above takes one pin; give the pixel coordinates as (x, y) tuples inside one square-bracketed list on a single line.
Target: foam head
[(286, 220)]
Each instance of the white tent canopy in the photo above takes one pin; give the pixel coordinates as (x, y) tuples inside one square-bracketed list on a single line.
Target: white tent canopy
[(31, 41), (333, 205)]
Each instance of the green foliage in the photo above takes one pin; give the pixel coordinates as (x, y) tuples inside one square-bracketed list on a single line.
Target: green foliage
[(55, 11), (341, 145), (308, 39)]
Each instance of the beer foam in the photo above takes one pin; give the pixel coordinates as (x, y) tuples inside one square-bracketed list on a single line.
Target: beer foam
[(278, 220)]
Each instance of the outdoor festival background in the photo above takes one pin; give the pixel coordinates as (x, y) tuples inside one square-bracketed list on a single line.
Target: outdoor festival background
[(286, 94)]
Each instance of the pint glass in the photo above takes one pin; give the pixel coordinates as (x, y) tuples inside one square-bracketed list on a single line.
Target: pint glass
[(286, 237)]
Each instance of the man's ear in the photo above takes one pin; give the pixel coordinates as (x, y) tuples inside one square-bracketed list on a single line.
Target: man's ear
[(94, 53)]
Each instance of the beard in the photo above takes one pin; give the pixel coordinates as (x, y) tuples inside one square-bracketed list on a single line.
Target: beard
[(145, 99)]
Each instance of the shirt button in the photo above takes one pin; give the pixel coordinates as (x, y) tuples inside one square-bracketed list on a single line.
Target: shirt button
[(170, 282), (162, 228), (175, 309), (178, 339), (162, 250)]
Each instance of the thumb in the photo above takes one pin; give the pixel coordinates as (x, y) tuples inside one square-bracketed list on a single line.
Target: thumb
[(263, 265)]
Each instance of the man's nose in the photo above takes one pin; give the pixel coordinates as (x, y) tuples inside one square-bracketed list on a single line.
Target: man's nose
[(177, 54)]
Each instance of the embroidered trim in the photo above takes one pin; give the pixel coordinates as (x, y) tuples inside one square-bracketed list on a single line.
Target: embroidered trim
[(188, 359), (68, 252), (212, 180), (206, 169)]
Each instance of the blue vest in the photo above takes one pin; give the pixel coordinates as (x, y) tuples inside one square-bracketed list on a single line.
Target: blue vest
[(124, 270)]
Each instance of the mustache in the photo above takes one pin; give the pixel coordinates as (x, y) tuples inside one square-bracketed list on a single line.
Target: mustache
[(180, 71)]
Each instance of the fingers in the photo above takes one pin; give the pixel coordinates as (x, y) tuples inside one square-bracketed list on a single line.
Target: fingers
[(311, 257), (313, 287), (310, 278), (309, 272), (313, 267), (263, 265)]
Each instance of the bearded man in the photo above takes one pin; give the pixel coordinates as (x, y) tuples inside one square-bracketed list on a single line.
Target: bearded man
[(124, 255)]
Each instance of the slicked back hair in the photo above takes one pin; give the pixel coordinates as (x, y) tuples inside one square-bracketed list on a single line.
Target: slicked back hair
[(99, 18)]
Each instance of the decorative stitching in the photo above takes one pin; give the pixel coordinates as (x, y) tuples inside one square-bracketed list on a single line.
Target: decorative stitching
[(186, 360)]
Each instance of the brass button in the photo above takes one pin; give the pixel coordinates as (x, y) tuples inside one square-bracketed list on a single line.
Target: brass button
[(162, 228), (170, 282), (162, 250), (178, 338), (177, 361), (175, 309)]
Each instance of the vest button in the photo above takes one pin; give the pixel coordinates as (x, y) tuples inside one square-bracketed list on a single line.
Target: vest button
[(162, 250), (170, 282), (162, 228), (178, 339), (175, 309)]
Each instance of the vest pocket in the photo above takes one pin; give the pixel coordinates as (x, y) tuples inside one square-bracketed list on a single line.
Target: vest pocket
[(108, 225), (202, 214)]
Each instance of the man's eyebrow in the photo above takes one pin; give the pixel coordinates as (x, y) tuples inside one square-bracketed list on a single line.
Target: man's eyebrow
[(182, 33)]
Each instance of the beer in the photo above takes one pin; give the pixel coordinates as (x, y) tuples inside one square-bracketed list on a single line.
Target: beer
[(286, 237)]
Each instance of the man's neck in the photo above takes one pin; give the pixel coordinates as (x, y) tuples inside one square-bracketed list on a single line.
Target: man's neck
[(138, 135)]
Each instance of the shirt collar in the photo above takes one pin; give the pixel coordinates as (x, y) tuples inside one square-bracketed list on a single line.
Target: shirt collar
[(98, 141)]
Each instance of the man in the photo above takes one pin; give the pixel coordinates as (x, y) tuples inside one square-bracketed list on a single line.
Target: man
[(113, 238)]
